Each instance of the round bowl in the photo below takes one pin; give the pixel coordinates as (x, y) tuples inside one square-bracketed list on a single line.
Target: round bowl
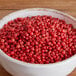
[(19, 68)]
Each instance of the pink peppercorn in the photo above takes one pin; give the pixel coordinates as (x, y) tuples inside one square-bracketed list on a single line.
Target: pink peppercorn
[(38, 39)]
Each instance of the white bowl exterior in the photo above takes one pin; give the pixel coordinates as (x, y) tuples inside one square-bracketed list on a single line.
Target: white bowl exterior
[(18, 69)]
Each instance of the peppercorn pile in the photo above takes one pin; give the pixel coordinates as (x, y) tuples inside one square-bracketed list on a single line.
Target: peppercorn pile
[(38, 39)]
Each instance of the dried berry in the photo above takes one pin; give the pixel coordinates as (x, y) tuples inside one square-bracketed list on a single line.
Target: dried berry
[(38, 39)]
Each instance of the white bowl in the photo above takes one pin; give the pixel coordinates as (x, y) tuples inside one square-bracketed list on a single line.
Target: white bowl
[(18, 68)]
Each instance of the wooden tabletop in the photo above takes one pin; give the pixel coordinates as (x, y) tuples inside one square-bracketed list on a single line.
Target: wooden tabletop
[(8, 6)]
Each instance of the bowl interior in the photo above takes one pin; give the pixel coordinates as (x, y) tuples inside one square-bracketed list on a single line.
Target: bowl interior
[(34, 12)]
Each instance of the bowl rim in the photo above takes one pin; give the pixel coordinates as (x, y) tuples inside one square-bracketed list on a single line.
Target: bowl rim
[(36, 65)]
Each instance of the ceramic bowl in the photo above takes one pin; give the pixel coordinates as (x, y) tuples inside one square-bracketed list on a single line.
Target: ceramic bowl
[(19, 68)]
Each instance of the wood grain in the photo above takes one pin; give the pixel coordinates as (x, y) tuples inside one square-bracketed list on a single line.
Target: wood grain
[(8, 6), (19, 4), (3, 72)]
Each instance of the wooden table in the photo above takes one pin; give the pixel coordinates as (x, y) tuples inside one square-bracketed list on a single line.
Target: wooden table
[(8, 6)]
